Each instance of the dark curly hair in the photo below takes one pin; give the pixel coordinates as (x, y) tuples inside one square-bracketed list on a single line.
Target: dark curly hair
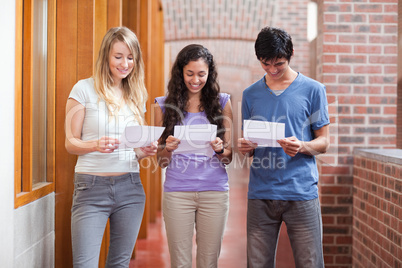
[(177, 96)]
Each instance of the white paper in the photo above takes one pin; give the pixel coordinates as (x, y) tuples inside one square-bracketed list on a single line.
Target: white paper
[(264, 133), (140, 136), (195, 139)]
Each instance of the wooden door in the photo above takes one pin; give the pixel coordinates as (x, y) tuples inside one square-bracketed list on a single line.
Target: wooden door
[(81, 25)]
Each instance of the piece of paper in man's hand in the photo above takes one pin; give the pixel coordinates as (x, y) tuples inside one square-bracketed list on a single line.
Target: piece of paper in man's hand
[(140, 136), (264, 133), (195, 139)]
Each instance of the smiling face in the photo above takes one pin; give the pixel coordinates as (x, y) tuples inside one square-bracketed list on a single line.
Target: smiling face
[(275, 69), (195, 75), (121, 62)]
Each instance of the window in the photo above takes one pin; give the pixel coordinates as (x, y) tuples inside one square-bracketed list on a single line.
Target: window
[(35, 87)]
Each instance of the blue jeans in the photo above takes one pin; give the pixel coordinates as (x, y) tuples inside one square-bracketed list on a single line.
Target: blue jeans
[(97, 199), (304, 225)]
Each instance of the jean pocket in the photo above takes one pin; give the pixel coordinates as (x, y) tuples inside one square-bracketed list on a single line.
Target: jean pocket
[(83, 182), (135, 179)]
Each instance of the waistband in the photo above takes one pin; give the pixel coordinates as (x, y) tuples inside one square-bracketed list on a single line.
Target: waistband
[(107, 179)]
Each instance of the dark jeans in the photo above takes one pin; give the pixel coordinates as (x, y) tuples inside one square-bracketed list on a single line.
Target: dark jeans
[(304, 225)]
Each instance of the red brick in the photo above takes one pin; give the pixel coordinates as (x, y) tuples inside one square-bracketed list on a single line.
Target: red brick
[(352, 18), (369, 49), (329, 79), (325, 179), (382, 100), (367, 29), (391, 69), (330, 38), (390, 29), (383, 19), (383, 39), (328, 7), (344, 130), (376, 79), (336, 69), (336, 190), (390, 89), (352, 58), (389, 130), (367, 8), (382, 1), (390, 110), (368, 89), (352, 39), (328, 259), (329, 58), (352, 79), (384, 120), (328, 239), (351, 119), (352, 99), (336, 170), (368, 69), (382, 140), (337, 48), (330, 18), (366, 110), (328, 159), (343, 259), (391, 8), (367, 130), (383, 59)]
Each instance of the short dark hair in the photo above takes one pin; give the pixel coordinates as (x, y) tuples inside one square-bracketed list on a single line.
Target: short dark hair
[(273, 43)]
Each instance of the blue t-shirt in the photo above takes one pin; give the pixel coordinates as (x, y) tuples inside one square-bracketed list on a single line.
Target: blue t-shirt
[(191, 172), (303, 107)]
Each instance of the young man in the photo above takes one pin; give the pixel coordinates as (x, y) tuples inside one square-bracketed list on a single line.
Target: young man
[(283, 180)]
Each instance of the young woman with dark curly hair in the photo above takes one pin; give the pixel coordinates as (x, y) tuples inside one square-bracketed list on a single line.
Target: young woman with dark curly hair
[(196, 186)]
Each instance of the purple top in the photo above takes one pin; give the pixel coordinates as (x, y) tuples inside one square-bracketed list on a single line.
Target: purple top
[(191, 172)]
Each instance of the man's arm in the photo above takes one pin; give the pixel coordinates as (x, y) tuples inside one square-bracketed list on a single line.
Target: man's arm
[(318, 145)]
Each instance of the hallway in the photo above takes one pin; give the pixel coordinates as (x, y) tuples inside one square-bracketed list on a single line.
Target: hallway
[(153, 252)]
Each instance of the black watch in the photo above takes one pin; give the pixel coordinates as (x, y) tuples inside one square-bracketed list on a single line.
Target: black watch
[(221, 152)]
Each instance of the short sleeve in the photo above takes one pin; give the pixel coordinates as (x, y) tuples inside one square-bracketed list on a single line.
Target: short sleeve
[(79, 92), (161, 102), (223, 99), (320, 117), (244, 108)]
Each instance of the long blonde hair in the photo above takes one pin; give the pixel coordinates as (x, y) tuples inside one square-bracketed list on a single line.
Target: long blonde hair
[(134, 92)]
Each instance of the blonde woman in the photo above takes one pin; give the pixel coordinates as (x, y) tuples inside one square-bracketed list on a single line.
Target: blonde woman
[(107, 182)]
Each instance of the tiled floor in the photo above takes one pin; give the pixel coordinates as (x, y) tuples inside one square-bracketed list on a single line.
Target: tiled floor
[(153, 251)]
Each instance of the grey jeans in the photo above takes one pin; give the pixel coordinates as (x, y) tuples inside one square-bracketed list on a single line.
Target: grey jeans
[(121, 199), (304, 225)]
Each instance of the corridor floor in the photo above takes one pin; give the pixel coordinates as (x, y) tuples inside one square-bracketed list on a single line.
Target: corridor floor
[(153, 252)]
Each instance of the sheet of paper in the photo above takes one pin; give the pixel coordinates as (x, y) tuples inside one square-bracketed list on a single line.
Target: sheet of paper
[(195, 139), (264, 133), (140, 136)]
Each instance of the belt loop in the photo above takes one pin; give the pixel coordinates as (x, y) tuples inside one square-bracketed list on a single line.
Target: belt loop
[(93, 180)]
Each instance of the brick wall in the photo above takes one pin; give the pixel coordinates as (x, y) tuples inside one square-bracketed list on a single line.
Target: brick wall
[(228, 28), (399, 101), (357, 61), (377, 209)]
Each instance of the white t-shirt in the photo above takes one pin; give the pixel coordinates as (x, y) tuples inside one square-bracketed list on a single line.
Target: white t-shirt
[(98, 123)]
